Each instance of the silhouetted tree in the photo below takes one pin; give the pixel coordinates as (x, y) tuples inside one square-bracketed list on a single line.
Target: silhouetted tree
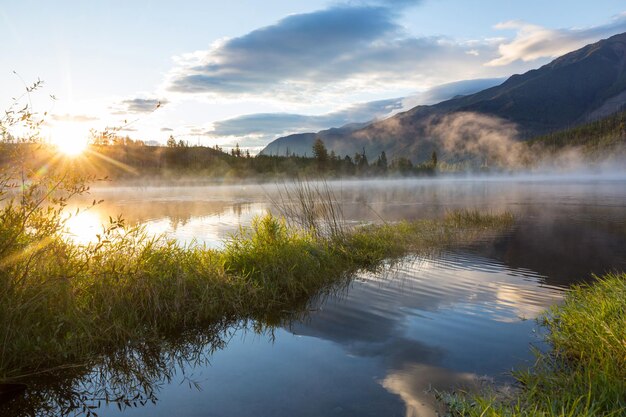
[(360, 160), (236, 151), (320, 153), (381, 162), (402, 165)]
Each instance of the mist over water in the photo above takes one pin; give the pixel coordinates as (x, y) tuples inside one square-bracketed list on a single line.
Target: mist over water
[(457, 318), (567, 225)]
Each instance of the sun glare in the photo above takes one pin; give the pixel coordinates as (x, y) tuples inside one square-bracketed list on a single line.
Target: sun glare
[(69, 139), (84, 227)]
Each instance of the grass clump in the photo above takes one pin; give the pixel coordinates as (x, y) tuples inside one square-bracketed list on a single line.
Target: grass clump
[(71, 302), (279, 264), (584, 373)]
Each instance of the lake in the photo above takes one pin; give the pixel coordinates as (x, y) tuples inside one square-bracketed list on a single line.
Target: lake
[(386, 343)]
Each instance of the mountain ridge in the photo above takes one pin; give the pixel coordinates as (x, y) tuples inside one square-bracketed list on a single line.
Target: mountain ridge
[(578, 87)]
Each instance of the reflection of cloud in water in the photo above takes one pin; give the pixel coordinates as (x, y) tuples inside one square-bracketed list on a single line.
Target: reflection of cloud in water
[(416, 384), (435, 322), (376, 308), (515, 301)]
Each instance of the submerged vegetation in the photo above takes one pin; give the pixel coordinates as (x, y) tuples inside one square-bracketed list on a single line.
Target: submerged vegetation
[(584, 373)]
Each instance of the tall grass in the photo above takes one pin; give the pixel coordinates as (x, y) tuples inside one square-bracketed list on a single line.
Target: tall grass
[(311, 206), (62, 303), (584, 373)]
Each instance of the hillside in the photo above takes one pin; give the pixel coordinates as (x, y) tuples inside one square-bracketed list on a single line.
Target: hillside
[(604, 136), (578, 87), (301, 143)]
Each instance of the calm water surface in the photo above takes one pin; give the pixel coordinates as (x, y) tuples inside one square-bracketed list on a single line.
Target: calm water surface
[(383, 345)]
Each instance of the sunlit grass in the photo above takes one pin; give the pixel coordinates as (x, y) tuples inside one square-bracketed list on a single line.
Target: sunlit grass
[(74, 300), (584, 373)]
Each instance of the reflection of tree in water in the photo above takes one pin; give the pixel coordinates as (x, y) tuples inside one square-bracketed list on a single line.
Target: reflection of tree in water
[(179, 213), (133, 377), (240, 208), (128, 378)]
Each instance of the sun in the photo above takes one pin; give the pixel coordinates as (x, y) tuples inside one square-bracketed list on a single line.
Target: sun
[(70, 139)]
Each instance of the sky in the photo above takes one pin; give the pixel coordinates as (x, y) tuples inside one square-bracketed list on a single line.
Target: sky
[(247, 72)]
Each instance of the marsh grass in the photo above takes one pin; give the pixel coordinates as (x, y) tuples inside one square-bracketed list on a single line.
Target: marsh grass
[(584, 372), (310, 205), (64, 303)]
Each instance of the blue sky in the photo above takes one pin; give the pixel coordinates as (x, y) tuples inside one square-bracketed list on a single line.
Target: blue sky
[(248, 71)]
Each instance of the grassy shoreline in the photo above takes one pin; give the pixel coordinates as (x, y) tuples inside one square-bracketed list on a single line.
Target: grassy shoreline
[(583, 374), (71, 303)]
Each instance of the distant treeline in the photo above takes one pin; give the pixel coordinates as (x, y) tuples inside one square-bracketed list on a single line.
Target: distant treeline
[(594, 138), (126, 159)]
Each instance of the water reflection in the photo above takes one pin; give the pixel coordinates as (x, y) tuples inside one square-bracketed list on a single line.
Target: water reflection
[(380, 346), (416, 385), (210, 223), (123, 379), (436, 324), (567, 227), (83, 227)]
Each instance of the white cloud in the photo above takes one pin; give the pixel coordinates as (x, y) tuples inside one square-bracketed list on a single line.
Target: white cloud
[(360, 47), (336, 51), (139, 105), (534, 42)]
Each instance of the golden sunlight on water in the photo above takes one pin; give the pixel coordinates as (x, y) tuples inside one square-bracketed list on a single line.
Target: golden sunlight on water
[(210, 227), (84, 227)]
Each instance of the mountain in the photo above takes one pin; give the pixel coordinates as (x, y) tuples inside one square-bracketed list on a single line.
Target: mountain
[(301, 143), (603, 137), (576, 88)]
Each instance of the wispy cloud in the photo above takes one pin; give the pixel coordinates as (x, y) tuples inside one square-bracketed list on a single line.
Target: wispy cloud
[(350, 50), (337, 48), (269, 124), (360, 46), (79, 118), (534, 42), (140, 105), (259, 128), (449, 90)]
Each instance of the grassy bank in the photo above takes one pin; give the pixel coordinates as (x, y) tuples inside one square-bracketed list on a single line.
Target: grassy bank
[(584, 373), (62, 303)]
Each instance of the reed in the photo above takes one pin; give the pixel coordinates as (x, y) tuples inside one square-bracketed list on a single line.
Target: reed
[(311, 205)]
